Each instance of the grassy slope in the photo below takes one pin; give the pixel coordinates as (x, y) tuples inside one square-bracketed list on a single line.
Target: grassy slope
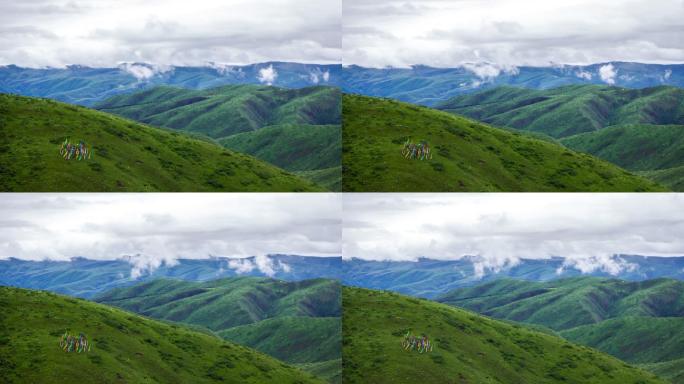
[(468, 348), (294, 129), (125, 347), (468, 156), (671, 177), (290, 146), (127, 156), (636, 147), (225, 111), (640, 322), (297, 322), (569, 110)]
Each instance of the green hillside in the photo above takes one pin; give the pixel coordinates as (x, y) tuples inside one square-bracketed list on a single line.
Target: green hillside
[(298, 322), (637, 129), (468, 348), (227, 110), (126, 156), (125, 348), (639, 322), (637, 148), (569, 110), (311, 151), (467, 155), (294, 129)]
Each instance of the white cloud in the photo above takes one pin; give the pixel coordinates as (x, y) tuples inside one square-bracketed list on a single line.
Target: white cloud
[(315, 76), (158, 229), (241, 265), (497, 230), (100, 33), (146, 264), (666, 75), (267, 75), (145, 71), (584, 75), (607, 73), (439, 33)]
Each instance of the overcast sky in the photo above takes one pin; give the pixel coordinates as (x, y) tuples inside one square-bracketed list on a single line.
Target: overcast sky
[(168, 226), (446, 33), (102, 33), (503, 227)]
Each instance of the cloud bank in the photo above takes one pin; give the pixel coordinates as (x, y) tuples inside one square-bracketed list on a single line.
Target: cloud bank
[(449, 33), (102, 33), (498, 230), (150, 230)]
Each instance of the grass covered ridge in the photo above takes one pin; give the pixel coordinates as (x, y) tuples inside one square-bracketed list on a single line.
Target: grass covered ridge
[(468, 348), (467, 155), (126, 156), (125, 347)]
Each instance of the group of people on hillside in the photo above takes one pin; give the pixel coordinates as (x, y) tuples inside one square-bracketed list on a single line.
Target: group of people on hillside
[(78, 151), (418, 343), (70, 343), (418, 151)]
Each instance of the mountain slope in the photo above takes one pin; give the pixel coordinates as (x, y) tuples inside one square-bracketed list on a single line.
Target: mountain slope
[(298, 322), (225, 111), (639, 322), (295, 129), (468, 348), (291, 147), (654, 150), (467, 156), (566, 111), (429, 86), (83, 85), (124, 347), (126, 156)]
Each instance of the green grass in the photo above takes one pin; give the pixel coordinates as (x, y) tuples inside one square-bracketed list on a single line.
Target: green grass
[(467, 155), (125, 347), (670, 370), (330, 370), (310, 151), (639, 322), (636, 147), (293, 339), (126, 156), (228, 110), (670, 177), (469, 348), (570, 110), (330, 178), (297, 322)]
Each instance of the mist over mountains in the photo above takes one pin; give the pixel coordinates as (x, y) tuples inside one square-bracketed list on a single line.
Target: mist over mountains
[(430, 278), (84, 85), (85, 278), (425, 85)]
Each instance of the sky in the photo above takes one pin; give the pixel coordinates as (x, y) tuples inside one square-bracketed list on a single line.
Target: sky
[(103, 33), (501, 228), (157, 228), (448, 33)]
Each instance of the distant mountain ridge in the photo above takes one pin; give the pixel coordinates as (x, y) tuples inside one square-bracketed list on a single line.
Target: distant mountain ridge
[(83, 85), (430, 278), (429, 86), (86, 278)]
